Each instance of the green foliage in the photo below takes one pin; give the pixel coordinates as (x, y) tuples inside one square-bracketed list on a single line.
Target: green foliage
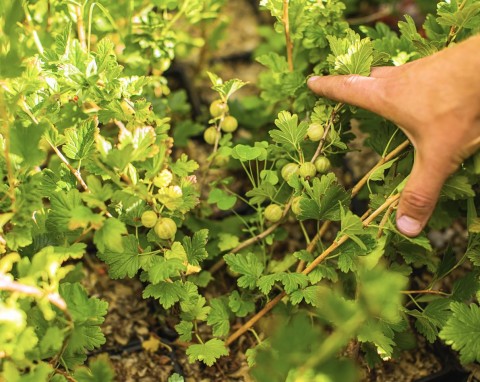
[(290, 133), (249, 267), (461, 329), (323, 199), (86, 127), (99, 371), (350, 55), (208, 352)]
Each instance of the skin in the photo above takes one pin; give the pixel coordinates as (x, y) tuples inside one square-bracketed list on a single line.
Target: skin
[(436, 102)]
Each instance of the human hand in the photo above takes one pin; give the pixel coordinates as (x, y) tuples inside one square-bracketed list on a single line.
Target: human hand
[(436, 102)]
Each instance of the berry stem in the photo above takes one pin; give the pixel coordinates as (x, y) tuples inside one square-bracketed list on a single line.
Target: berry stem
[(288, 39), (321, 143), (80, 27)]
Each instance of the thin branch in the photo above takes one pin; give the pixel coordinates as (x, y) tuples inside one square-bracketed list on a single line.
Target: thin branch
[(327, 130), (220, 263), (385, 219), (80, 26), (13, 286), (424, 291), (75, 172), (288, 39), (67, 376), (379, 210), (6, 147), (318, 236), (29, 23), (217, 137), (313, 243), (383, 12), (393, 154), (175, 18), (245, 327)]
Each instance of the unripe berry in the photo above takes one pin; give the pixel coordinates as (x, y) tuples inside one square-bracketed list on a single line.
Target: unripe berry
[(280, 163), (315, 131), (218, 108), (322, 164), (149, 219), (296, 205), (210, 135), (229, 124), (288, 170), (273, 213), (307, 170), (165, 228), (221, 160)]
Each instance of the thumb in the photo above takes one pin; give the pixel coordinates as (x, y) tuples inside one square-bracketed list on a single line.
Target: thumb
[(364, 92), (420, 195)]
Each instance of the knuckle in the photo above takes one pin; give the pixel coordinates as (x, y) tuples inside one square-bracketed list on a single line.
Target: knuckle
[(417, 201), (349, 80)]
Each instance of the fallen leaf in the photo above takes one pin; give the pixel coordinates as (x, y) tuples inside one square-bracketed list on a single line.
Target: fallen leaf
[(151, 345)]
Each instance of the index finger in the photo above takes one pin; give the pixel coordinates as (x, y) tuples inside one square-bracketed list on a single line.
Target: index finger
[(364, 92)]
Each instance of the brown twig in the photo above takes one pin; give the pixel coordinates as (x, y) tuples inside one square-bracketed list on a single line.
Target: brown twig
[(220, 263), (75, 173), (317, 237), (244, 244), (245, 327), (383, 12), (379, 210), (67, 376), (311, 246), (343, 239), (29, 23), (13, 286), (80, 27), (424, 291), (6, 146), (385, 219), (288, 39), (394, 153)]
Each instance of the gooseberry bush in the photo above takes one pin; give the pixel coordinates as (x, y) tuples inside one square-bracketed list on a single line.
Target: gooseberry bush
[(239, 221)]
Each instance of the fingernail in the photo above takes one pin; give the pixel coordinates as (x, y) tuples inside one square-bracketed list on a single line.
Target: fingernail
[(312, 79), (409, 226)]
